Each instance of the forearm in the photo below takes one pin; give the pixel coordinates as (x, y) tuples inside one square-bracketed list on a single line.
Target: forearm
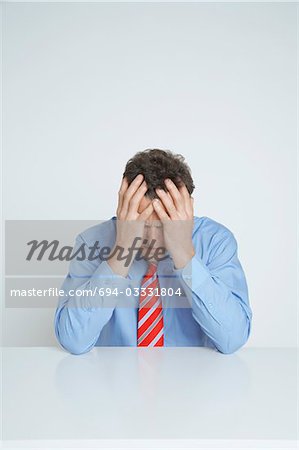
[(224, 320), (77, 330), (223, 313), (79, 317)]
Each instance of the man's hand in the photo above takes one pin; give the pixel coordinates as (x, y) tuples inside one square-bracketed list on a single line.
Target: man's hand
[(175, 210), (130, 223)]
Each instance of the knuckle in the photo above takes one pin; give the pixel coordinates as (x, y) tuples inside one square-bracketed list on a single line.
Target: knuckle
[(126, 195), (133, 201)]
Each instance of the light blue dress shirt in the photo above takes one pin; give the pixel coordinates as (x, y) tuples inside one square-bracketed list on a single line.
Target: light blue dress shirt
[(213, 310)]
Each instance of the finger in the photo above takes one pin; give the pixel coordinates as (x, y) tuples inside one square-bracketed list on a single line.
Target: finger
[(184, 193), (192, 205), (129, 193), (187, 199), (123, 187), (175, 194), (189, 209), (146, 212), (136, 199), (160, 210), (167, 202)]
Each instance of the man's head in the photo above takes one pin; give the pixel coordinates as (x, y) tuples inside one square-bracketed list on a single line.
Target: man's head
[(157, 165)]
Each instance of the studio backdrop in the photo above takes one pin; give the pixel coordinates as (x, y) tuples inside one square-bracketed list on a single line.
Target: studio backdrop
[(87, 85)]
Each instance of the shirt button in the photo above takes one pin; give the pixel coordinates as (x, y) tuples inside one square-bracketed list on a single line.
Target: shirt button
[(211, 305)]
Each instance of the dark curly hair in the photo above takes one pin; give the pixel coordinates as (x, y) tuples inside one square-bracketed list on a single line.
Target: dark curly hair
[(156, 165)]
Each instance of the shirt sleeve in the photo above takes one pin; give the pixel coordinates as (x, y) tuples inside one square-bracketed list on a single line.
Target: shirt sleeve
[(82, 312), (218, 294)]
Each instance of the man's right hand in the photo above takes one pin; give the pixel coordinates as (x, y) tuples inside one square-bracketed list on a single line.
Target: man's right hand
[(130, 222)]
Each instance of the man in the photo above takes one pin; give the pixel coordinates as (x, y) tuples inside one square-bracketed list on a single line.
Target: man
[(161, 276)]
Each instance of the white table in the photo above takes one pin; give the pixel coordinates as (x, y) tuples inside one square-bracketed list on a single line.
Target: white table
[(122, 396)]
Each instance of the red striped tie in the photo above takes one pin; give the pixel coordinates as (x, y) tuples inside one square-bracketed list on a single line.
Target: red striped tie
[(150, 332)]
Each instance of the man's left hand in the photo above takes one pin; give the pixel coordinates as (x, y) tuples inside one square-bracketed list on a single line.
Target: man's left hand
[(175, 210)]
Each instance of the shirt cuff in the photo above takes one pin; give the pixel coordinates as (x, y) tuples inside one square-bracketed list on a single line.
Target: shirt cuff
[(194, 273)]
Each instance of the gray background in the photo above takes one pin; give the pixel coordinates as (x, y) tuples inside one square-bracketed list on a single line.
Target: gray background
[(85, 86)]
